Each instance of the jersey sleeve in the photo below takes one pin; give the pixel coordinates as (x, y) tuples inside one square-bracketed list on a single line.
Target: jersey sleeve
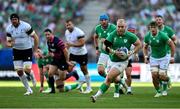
[(28, 29), (165, 37), (134, 38), (60, 44), (171, 32), (96, 30), (146, 41), (80, 34)]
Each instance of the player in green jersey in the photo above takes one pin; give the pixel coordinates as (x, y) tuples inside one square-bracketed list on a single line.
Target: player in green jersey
[(171, 34), (43, 63), (102, 30), (158, 41), (118, 60)]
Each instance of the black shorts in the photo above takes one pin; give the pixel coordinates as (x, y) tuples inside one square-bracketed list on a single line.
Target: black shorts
[(81, 59), (129, 63), (60, 63), (24, 55)]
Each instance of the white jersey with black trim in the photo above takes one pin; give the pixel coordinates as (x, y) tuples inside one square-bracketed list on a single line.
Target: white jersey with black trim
[(73, 37), (20, 35)]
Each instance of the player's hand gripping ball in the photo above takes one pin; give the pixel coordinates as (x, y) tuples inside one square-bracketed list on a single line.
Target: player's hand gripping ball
[(122, 53)]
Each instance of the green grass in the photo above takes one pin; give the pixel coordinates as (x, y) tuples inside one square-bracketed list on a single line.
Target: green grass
[(12, 97)]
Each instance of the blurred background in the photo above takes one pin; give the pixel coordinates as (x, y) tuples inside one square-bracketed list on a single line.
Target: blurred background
[(52, 14)]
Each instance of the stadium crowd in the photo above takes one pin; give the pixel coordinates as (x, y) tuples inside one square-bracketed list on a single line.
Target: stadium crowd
[(33, 11), (53, 12), (140, 13)]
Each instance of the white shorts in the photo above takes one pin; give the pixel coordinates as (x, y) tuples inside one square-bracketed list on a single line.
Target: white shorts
[(157, 64), (103, 59), (121, 66), (22, 65)]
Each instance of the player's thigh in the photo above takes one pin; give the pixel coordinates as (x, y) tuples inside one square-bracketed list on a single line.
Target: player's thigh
[(154, 65), (52, 70), (18, 64), (103, 60), (117, 69), (164, 63)]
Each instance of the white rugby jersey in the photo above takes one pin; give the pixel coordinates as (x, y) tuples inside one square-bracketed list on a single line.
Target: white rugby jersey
[(20, 35), (72, 37)]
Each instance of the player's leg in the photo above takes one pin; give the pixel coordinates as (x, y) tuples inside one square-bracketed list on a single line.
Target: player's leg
[(41, 74), (28, 70), (116, 69), (83, 60), (52, 70), (102, 63), (27, 66), (72, 72), (119, 80), (164, 63), (128, 75), (19, 67), (169, 84), (114, 72), (154, 67)]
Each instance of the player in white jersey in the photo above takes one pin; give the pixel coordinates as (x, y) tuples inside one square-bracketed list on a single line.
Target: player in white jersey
[(76, 43), (19, 34)]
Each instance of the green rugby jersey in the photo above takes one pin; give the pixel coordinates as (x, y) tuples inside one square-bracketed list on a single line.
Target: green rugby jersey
[(103, 33), (118, 41), (158, 44)]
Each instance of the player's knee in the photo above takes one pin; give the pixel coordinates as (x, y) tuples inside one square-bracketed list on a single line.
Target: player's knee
[(100, 68), (60, 85), (20, 72), (154, 75), (162, 74), (128, 76), (27, 68), (154, 69), (109, 80), (101, 72)]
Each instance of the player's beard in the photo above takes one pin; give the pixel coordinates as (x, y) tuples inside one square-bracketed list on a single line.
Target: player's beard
[(16, 24)]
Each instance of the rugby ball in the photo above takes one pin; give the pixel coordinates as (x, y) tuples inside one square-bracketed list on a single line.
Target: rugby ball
[(124, 51)]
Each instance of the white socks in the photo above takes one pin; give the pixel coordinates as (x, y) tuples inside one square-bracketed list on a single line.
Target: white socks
[(99, 93), (25, 82), (129, 89), (87, 78)]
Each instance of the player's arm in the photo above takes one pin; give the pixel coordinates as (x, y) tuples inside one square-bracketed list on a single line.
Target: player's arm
[(174, 39), (95, 37), (9, 40), (172, 46), (137, 47), (107, 47), (80, 42), (32, 33), (145, 52)]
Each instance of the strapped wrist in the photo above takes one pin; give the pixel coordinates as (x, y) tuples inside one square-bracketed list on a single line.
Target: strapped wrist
[(97, 48)]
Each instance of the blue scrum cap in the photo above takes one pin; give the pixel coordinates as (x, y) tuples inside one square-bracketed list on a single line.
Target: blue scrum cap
[(103, 17)]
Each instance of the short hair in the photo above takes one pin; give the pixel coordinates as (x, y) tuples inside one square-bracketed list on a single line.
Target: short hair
[(48, 30), (69, 20), (153, 23), (14, 15), (159, 16), (121, 21)]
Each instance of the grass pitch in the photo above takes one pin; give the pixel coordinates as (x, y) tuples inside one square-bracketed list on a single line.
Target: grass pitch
[(11, 96)]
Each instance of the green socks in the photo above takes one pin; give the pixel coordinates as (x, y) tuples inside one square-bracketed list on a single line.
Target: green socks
[(70, 87), (104, 87)]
